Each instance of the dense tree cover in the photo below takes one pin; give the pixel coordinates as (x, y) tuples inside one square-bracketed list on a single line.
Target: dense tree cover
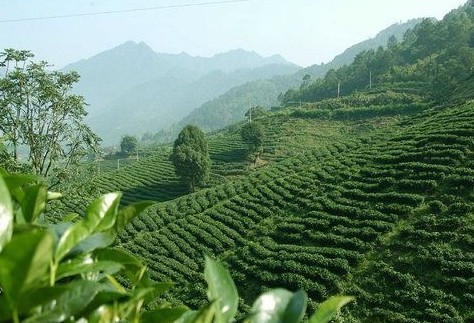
[(438, 55), (191, 156), (128, 145), (37, 111)]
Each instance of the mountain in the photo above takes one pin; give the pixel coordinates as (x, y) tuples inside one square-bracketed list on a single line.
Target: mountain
[(132, 89), (231, 106)]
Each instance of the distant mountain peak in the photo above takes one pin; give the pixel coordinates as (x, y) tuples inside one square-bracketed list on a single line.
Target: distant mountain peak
[(133, 46)]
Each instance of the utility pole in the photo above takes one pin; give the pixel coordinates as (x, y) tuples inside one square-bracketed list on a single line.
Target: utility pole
[(338, 89), (370, 78), (118, 163)]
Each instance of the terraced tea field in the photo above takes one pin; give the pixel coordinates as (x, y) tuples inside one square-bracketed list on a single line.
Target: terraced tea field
[(386, 216), (376, 207), (153, 177)]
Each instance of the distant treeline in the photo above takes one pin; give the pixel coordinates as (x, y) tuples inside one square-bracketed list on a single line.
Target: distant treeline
[(436, 55)]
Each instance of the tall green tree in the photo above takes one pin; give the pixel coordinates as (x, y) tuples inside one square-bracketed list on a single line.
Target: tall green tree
[(252, 134), (37, 111), (128, 145), (191, 156)]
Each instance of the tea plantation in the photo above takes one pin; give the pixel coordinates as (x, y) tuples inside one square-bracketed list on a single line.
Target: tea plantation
[(379, 206)]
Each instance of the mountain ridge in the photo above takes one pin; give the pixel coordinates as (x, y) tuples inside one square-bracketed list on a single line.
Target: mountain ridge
[(231, 106), (125, 71)]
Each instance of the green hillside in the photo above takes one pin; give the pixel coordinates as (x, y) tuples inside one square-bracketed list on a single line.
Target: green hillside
[(367, 192), (384, 214)]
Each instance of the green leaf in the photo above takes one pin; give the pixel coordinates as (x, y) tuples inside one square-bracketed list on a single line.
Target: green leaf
[(133, 266), (83, 266), (204, 315), (126, 214), (222, 288), (75, 297), (163, 315), (39, 297), (270, 307), (101, 214), (329, 308), (70, 217), (296, 307), (100, 300), (24, 263), (157, 289), (72, 237), (53, 196), (95, 241), (16, 182), (5, 312), (34, 202), (120, 256), (6, 214)]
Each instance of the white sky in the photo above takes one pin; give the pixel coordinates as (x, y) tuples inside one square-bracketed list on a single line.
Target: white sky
[(303, 31)]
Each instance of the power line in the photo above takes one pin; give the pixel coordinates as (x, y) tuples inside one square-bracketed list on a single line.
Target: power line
[(208, 3)]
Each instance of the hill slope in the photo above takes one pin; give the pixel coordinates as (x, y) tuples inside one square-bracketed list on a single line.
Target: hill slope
[(331, 219)]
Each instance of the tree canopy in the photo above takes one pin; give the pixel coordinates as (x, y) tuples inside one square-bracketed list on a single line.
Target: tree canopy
[(435, 57), (128, 145), (39, 117), (191, 156), (252, 134)]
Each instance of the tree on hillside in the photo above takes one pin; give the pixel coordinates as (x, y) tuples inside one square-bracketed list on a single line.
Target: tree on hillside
[(252, 134), (38, 112), (255, 112), (128, 145), (191, 156)]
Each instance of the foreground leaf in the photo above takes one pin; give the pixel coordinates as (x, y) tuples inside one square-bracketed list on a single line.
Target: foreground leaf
[(204, 315), (98, 240), (76, 233), (85, 266), (270, 307), (133, 266), (24, 263), (163, 315), (34, 202), (101, 214), (329, 308), (126, 214), (222, 288), (296, 308), (75, 297), (6, 214), (15, 182)]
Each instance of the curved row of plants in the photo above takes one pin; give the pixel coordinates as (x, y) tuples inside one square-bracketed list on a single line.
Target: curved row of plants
[(315, 220)]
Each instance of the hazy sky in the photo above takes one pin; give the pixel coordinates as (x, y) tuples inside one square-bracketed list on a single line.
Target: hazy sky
[(303, 31)]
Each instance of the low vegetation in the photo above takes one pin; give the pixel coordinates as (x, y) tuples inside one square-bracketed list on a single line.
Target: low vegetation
[(69, 272)]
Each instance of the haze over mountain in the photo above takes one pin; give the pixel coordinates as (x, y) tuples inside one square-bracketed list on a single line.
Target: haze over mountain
[(232, 105), (131, 89)]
